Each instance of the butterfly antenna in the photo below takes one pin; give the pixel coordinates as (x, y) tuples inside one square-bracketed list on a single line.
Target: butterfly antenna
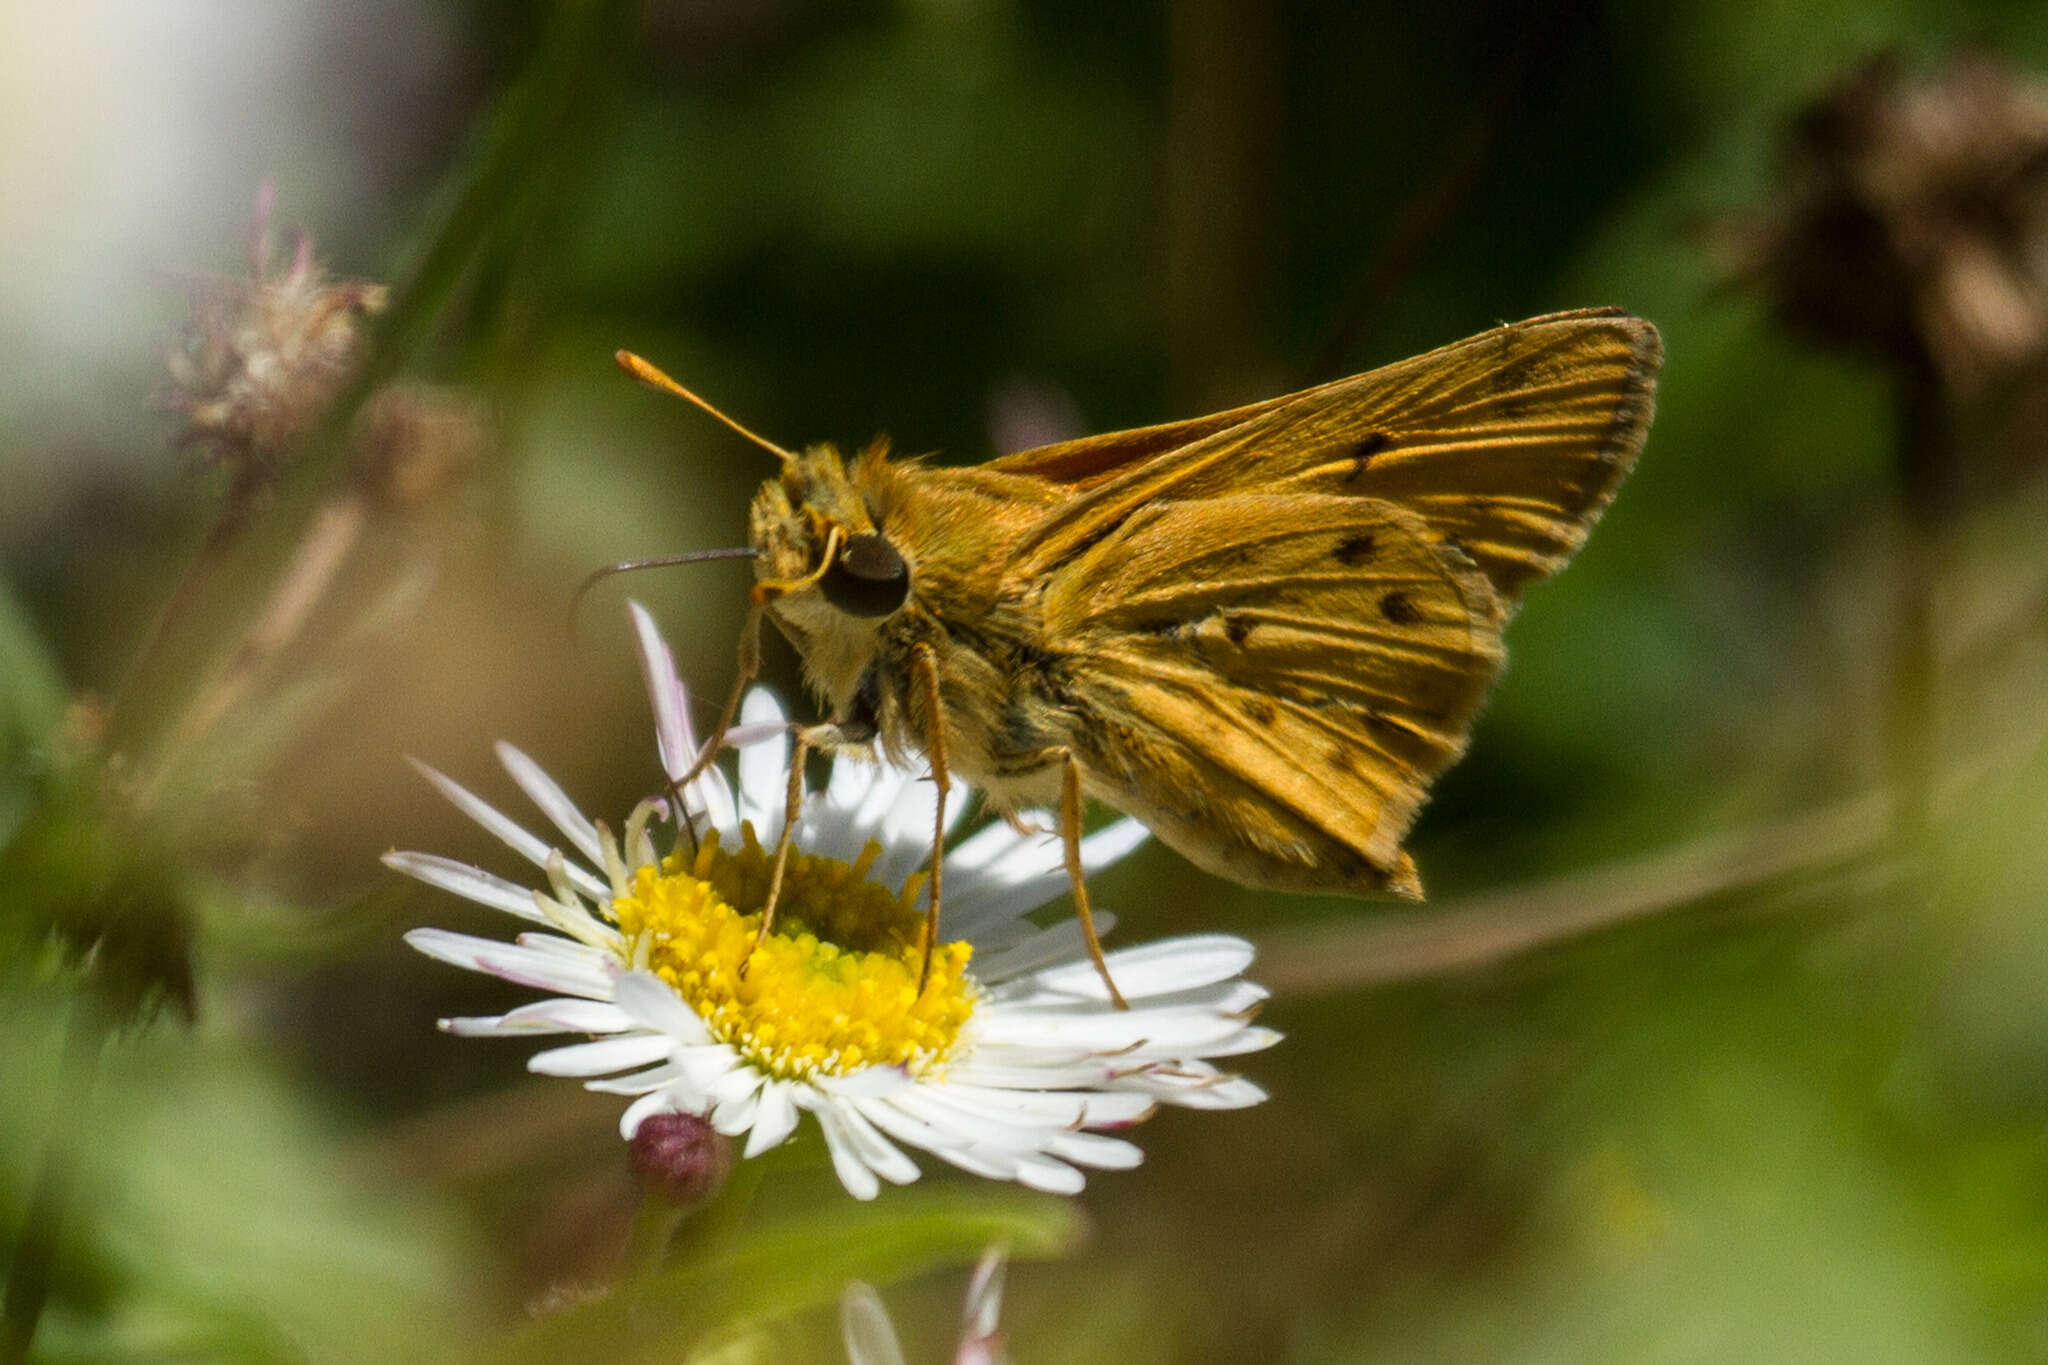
[(597, 576), (647, 373)]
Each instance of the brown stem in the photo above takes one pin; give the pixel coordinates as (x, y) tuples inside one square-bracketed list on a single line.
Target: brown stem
[(336, 527)]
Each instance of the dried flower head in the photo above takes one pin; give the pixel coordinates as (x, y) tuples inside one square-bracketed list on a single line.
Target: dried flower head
[(261, 358), (417, 441), (1909, 220)]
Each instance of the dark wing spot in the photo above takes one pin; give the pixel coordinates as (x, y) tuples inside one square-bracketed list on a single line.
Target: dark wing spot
[(1260, 711), (1369, 445), (1513, 376), (1343, 762), (1237, 629), (1397, 607), (1355, 550)]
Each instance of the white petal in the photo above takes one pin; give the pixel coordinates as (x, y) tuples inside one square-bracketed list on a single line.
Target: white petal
[(470, 883), (521, 965), (906, 832), (1042, 949), (1182, 1032), (1069, 1075), (543, 1017), (852, 776), (654, 1004), (1093, 1149), (1196, 1086), (865, 1083), (736, 1115), (664, 1078), (865, 1328), (763, 768), (853, 1173), (528, 846), (602, 1057), (948, 1145), (554, 803), (1174, 964), (1036, 874), (775, 1120), (1054, 1177), (644, 1108), (879, 1154)]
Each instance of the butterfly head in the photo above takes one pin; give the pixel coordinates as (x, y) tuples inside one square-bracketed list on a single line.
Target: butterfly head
[(818, 530)]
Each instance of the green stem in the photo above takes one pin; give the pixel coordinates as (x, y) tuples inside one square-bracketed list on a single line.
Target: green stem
[(713, 1226), (35, 1257)]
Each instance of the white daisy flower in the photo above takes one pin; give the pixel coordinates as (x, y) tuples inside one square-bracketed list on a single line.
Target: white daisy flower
[(1007, 1064)]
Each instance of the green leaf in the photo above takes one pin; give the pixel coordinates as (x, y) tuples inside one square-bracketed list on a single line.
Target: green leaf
[(803, 1262)]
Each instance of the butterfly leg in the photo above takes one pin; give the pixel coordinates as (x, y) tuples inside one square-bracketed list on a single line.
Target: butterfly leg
[(808, 738), (750, 656), (1070, 830), (926, 662)]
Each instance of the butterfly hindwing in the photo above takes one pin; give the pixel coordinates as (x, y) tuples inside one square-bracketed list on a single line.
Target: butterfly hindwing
[(1307, 662)]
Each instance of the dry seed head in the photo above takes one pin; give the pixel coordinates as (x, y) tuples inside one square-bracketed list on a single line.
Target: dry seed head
[(261, 358), (1909, 219), (418, 441)]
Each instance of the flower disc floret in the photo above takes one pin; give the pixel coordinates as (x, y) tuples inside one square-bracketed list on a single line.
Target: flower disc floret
[(834, 988)]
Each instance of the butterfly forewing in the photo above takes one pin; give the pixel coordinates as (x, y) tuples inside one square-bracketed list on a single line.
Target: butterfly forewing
[(1508, 444)]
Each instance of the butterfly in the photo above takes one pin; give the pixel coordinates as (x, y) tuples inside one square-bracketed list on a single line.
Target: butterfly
[(1263, 632)]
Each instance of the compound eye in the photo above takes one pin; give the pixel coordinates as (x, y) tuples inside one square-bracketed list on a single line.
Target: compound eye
[(868, 578)]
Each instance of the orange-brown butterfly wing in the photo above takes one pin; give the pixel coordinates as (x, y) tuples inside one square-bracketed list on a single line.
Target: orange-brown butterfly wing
[(1271, 681), (1508, 444)]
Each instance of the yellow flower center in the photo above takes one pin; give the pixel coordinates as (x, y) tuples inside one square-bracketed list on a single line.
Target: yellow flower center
[(832, 988)]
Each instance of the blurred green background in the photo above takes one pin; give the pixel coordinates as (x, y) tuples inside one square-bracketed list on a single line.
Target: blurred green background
[(1692, 1058)]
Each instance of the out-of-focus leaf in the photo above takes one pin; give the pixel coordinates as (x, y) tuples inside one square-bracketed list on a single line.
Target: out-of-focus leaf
[(220, 1217), (803, 1262)]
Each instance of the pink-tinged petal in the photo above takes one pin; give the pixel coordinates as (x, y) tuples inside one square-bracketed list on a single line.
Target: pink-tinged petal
[(470, 883), (601, 1058), (501, 827), (553, 802), (523, 966), (864, 1327), (544, 1017), (675, 740), (984, 1307)]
